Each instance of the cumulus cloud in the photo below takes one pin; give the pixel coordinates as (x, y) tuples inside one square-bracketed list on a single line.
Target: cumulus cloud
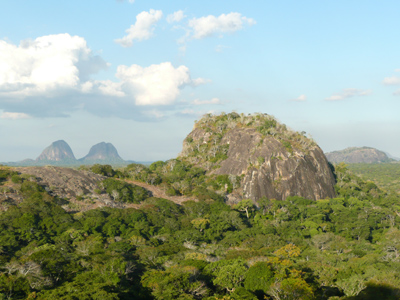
[(155, 85), (204, 102), (176, 16), (391, 80), (348, 93), (200, 81), (14, 116), (212, 25), (143, 28), (46, 65), (301, 98), (51, 77)]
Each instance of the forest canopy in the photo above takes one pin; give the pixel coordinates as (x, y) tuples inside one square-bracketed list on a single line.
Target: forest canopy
[(347, 247)]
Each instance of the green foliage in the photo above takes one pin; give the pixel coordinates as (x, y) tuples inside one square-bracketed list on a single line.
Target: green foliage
[(16, 178), (28, 188), (6, 173), (177, 282), (259, 277), (385, 175), (124, 192), (105, 170), (346, 247)]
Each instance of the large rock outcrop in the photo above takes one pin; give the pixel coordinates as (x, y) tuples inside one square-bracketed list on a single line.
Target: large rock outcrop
[(102, 153), (354, 155), (271, 160), (58, 151)]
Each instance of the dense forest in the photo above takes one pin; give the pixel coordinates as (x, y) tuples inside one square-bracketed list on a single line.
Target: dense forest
[(347, 247), (385, 175)]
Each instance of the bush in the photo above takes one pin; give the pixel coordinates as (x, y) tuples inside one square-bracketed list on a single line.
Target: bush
[(105, 170), (124, 192), (16, 179)]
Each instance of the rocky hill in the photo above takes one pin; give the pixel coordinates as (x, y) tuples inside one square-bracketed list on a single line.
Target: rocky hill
[(358, 155), (58, 151), (102, 153), (271, 160)]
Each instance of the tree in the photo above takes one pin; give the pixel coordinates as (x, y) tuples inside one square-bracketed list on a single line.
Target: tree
[(177, 282), (200, 223), (259, 277), (244, 205), (291, 289), (228, 274)]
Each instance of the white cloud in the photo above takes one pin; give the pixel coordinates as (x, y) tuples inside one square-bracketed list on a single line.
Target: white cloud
[(154, 114), (154, 85), (391, 80), (50, 77), (45, 65), (301, 98), (200, 81), (142, 29), (188, 111), (204, 102), (176, 16), (109, 88), (220, 48), (348, 93), (14, 116), (225, 23)]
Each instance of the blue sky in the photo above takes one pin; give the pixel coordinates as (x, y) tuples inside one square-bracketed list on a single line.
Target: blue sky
[(139, 73)]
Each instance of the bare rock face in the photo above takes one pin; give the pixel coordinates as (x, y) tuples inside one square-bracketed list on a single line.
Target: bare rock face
[(358, 155), (58, 151), (65, 182), (103, 153), (270, 160)]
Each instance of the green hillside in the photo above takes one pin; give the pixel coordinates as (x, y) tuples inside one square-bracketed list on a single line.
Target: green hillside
[(345, 247), (385, 175)]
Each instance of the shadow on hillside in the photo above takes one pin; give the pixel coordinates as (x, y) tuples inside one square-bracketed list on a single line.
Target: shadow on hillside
[(375, 291)]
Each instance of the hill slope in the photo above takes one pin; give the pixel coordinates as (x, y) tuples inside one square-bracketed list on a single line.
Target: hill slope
[(354, 155), (58, 151), (271, 160), (102, 153)]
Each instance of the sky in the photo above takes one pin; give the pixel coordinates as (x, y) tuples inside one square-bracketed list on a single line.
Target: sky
[(139, 73)]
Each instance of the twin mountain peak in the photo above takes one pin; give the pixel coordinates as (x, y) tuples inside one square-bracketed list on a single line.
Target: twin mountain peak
[(59, 152)]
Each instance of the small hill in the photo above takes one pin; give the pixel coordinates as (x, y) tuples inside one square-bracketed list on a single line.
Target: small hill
[(270, 159), (354, 155), (102, 153), (59, 152)]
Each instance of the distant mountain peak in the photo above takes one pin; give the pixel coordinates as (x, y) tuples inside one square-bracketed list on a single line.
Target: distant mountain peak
[(103, 153), (358, 155), (58, 151)]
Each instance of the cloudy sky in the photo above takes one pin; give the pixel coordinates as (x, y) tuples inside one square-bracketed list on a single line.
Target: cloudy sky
[(139, 73)]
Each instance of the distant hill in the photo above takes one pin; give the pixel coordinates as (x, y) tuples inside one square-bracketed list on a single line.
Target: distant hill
[(102, 153), (58, 151), (354, 155)]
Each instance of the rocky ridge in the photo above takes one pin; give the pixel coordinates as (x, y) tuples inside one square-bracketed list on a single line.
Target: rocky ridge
[(358, 155), (270, 159)]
